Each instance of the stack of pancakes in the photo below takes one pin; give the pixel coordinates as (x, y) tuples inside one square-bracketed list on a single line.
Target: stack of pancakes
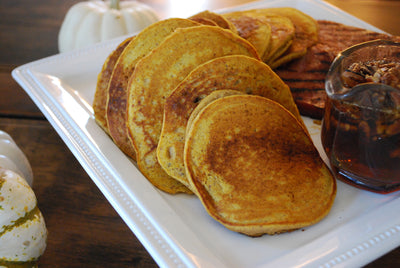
[(199, 110), (279, 34)]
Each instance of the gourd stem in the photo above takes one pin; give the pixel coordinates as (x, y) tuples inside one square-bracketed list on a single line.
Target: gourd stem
[(114, 4)]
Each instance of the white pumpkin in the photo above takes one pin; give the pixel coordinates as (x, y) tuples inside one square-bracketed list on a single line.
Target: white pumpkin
[(12, 158), (23, 230), (90, 22)]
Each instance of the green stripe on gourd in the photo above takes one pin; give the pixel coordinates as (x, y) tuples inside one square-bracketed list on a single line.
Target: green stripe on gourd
[(23, 231), (18, 264), (29, 216)]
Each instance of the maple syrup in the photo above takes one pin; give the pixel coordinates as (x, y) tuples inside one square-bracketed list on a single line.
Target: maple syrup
[(361, 125), (362, 150)]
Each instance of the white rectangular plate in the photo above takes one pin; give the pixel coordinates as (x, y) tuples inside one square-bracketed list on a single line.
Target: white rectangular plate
[(176, 230)]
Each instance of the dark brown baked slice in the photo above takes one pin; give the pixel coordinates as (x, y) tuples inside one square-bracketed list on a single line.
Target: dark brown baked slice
[(306, 76)]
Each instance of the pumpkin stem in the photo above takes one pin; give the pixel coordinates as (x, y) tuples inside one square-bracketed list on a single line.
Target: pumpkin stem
[(114, 4)]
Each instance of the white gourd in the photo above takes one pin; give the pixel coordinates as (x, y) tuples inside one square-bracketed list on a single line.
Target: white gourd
[(23, 230), (90, 22), (12, 158)]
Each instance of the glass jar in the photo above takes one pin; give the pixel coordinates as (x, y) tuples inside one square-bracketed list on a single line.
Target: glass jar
[(361, 125)]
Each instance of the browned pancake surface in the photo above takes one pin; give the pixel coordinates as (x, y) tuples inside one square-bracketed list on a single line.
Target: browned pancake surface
[(238, 72), (305, 35), (210, 18), (255, 169), (254, 30), (100, 96), (156, 76), (146, 40)]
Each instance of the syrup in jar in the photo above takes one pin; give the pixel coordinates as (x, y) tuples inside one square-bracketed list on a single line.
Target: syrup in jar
[(364, 148), (361, 125)]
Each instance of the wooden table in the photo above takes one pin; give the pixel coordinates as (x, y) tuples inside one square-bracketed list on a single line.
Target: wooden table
[(84, 230)]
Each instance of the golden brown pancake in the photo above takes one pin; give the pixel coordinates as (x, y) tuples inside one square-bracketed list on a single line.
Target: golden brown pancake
[(145, 41), (236, 72), (282, 30), (255, 169), (205, 21), (254, 30), (205, 16), (100, 96), (154, 78), (214, 95), (306, 33), (282, 34)]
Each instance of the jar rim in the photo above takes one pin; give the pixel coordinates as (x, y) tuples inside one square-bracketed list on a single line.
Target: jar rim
[(334, 85)]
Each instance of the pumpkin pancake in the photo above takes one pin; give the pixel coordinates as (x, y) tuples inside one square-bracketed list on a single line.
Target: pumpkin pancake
[(236, 72), (282, 33), (100, 96), (154, 78), (254, 30), (306, 33), (282, 30), (205, 21), (145, 41), (255, 169), (206, 16), (203, 103), (217, 94)]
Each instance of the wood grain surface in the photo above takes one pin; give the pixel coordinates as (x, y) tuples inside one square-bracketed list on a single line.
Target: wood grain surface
[(84, 230)]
